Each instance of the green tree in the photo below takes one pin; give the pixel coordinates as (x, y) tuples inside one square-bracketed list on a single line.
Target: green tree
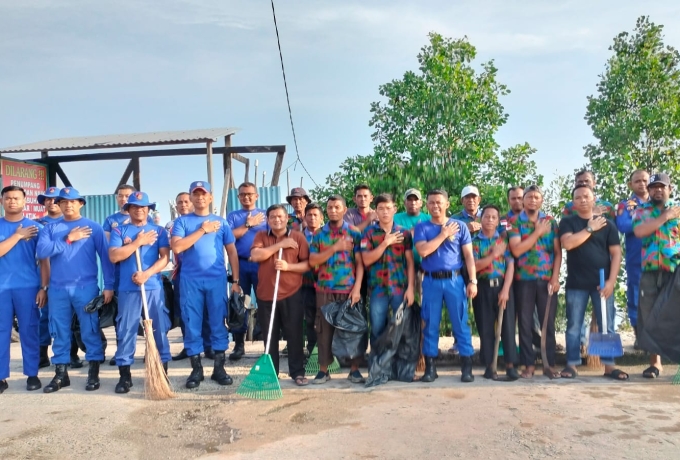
[(635, 115), (435, 128)]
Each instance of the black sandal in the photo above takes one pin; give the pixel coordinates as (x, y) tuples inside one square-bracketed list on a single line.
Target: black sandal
[(301, 381), (617, 373), (570, 373), (651, 372)]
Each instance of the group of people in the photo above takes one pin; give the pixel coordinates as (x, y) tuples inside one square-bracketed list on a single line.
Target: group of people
[(507, 263)]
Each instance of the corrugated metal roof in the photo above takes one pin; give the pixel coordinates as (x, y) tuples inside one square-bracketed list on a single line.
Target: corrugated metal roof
[(124, 140)]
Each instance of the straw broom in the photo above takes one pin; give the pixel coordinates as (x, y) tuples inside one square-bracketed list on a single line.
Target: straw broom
[(156, 385), (593, 361)]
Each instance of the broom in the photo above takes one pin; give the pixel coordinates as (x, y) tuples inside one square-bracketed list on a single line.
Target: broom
[(156, 385), (593, 361), (262, 382)]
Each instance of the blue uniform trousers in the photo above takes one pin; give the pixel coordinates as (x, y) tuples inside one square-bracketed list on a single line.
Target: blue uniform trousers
[(205, 329), (129, 312), (199, 294), (632, 299), (63, 303), (44, 328), (20, 302), (452, 292)]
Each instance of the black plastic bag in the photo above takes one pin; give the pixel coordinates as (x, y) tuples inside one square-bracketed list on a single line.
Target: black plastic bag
[(173, 310), (394, 355), (236, 312), (107, 311), (660, 334), (350, 339)]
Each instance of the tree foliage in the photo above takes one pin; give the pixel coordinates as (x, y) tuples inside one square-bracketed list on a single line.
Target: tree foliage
[(635, 115), (435, 128)]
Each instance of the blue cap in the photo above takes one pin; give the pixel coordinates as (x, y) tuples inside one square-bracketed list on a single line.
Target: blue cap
[(51, 192), (200, 185), (69, 193), (139, 199)]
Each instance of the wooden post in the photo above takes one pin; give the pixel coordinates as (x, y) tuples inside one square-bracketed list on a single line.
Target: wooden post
[(51, 171), (126, 174), (264, 175), (288, 182), (277, 169), (301, 181), (208, 147), (257, 163), (247, 177), (136, 175)]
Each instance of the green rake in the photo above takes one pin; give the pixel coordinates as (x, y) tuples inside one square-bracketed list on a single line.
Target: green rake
[(312, 366), (676, 379), (262, 382)]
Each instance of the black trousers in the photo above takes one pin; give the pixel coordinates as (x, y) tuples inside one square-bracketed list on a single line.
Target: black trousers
[(289, 314), (485, 306), (530, 295), (309, 302)]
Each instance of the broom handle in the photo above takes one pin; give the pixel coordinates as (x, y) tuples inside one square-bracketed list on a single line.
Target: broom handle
[(145, 307), (603, 303), (271, 318)]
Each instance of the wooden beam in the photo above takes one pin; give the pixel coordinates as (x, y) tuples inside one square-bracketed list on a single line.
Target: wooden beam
[(126, 174), (128, 155), (247, 171), (237, 157), (277, 169), (51, 172), (136, 174), (209, 163), (62, 175)]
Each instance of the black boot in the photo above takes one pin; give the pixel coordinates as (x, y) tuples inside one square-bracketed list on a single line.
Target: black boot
[(125, 382), (239, 349), (208, 353), (430, 371), (3, 386), (219, 374), (93, 377), (182, 355), (59, 381), (76, 363), (196, 376), (165, 368), (466, 369), (44, 359), (33, 383)]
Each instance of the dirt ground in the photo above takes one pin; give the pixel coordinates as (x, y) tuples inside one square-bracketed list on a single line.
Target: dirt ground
[(586, 418)]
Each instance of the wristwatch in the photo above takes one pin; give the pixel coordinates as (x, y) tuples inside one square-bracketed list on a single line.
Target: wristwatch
[(474, 282), (248, 225), (44, 288), (589, 229)]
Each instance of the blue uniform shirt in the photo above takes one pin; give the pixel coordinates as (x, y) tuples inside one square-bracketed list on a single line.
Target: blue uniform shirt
[(237, 219), (624, 222), (148, 254), (45, 220), (206, 257), (75, 264), (448, 255), (18, 268)]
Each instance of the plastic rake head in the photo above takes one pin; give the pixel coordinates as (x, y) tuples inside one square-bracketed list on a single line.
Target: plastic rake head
[(676, 378), (262, 381)]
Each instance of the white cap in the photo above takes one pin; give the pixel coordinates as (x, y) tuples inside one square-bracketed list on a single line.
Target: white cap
[(469, 189)]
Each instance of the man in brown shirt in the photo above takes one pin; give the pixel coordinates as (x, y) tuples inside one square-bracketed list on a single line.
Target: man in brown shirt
[(289, 308)]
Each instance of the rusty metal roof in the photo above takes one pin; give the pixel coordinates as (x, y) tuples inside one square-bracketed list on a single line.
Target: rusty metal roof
[(124, 140)]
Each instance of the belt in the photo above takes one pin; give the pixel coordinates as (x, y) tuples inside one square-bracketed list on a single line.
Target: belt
[(493, 282), (442, 275), (245, 259)]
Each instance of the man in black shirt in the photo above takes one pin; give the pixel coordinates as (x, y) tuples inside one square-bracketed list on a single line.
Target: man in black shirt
[(592, 243)]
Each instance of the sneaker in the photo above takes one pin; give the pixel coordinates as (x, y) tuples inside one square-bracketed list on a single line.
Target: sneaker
[(454, 349), (356, 377), (321, 377)]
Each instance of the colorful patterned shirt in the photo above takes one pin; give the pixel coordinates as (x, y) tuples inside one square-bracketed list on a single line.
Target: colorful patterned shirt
[(296, 223), (537, 262), (337, 274), (482, 246), (661, 249), (388, 275), (610, 209), (309, 278)]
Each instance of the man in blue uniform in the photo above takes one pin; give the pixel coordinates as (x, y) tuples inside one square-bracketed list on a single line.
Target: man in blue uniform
[(202, 238), (152, 242), (245, 223), (72, 245), (624, 222), (445, 245), (122, 217), (21, 293)]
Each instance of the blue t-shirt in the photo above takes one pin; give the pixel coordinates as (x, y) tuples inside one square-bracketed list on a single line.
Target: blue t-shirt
[(48, 220), (116, 220), (19, 268), (237, 219), (448, 255), (75, 264), (206, 257), (148, 254)]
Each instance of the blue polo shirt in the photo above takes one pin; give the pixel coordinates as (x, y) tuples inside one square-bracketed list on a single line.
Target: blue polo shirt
[(237, 219), (148, 254), (448, 256), (206, 257), (45, 220), (624, 222), (19, 268)]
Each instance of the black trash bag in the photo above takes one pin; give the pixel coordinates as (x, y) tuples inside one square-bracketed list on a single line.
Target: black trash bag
[(350, 339), (405, 363), (236, 312), (660, 334), (107, 311), (173, 310)]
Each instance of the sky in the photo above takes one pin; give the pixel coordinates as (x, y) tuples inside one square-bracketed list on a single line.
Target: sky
[(79, 68)]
